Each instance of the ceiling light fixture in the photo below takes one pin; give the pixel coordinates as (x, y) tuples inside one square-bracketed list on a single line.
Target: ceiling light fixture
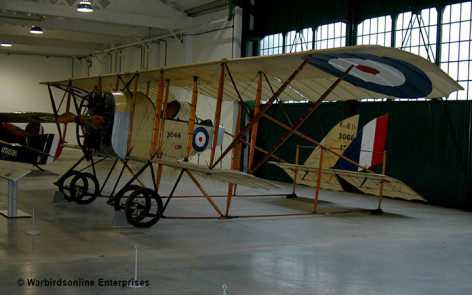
[(5, 44), (85, 6), (36, 30)]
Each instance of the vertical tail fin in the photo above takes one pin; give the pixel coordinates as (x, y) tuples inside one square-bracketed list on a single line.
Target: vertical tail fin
[(47, 146), (368, 146), (337, 139)]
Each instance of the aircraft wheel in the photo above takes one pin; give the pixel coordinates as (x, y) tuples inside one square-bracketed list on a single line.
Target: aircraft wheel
[(119, 200), (64, 184), (84, 188), (143, 207)]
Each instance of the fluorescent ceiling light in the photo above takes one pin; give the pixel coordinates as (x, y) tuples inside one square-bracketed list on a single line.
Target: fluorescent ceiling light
[(5, 44), (85, 6), (36, 30)]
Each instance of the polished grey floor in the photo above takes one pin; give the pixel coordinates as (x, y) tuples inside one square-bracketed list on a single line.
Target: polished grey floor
[(410, 249)]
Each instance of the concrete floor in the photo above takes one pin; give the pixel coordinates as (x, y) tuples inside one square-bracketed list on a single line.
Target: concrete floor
[(410, 249)]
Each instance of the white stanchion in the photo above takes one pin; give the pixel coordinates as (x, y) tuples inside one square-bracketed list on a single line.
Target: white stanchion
[(33, 232), (136, 286)]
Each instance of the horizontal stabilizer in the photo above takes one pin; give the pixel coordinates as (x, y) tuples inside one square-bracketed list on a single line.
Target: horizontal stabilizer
[(368, 183)]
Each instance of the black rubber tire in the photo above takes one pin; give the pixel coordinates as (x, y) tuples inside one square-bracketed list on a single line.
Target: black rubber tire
[(64, 184), (119, 200), (84, 188), (143, 208)]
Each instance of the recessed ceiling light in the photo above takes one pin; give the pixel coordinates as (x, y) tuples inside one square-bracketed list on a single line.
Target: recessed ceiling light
[(85, 6), (5, 44), (36, 30)]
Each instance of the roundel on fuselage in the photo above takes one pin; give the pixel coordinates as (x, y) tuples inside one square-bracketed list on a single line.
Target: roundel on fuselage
[(201, 139)]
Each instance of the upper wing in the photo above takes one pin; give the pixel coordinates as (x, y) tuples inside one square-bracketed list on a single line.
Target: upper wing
[(20, 117), (224, 175), (368, 183), (379, 72)]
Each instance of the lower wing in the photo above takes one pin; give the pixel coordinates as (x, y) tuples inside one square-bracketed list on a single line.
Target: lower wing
[(224, 175)]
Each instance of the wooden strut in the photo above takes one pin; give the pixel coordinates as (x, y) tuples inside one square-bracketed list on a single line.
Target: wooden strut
[(302, 120), (56, 115), (318, 181), (258, 148), (69, 96), (157, 115), (258, 115), (234, 163), (296, 169), (254, 128), (204, 192), (382, 180), (161, 136), (132, 114), (316, 143), (269, 215), (219, 100), (132, 172), (192, 116)]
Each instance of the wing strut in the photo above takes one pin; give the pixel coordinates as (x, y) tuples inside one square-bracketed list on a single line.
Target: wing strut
[(157, 115), (302, 120), (254, 128), (56, 115), (191, 119), (219, 99), (263, 110), (235, 162), (132, 113)]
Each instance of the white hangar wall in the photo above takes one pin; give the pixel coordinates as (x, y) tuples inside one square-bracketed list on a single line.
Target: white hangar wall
[(211, 37)]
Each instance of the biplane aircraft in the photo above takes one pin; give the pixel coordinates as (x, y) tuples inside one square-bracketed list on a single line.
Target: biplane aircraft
[(133, 116), (29, 145)]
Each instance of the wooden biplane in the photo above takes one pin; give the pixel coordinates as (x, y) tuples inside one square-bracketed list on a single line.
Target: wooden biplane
[(133, 116)]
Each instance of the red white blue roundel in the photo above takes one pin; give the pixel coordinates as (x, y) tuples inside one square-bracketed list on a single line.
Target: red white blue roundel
[(200, 139), (381, 74)]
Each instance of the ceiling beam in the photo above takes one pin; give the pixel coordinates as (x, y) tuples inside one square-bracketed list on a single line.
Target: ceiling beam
[(51, 42), (20, 30), (104, 16), (117, 31), (45, 50)]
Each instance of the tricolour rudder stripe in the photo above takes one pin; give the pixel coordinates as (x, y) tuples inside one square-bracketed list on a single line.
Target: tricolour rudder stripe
[(368, 146), (52, 148), (380, 138)]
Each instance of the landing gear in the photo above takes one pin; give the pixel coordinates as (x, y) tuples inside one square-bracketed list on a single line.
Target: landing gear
[(79, 187), (144, 207), (119, 200), (84, 188)]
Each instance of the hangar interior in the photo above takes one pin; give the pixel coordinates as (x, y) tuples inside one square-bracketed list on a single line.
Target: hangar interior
[(412, 248)]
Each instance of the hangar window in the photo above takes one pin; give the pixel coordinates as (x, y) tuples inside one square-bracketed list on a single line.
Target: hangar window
[(299, 40), (330, 36), (417, 33), (456, 45), (375, 31), (272, 44)]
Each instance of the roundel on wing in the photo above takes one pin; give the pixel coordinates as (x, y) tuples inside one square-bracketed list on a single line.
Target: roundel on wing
[(385, 75), (200, 139)]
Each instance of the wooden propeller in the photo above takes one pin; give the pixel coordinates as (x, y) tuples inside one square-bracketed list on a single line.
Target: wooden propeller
[(95, 121)]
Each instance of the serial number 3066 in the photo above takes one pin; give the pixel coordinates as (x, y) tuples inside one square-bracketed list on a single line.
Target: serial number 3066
[(174, 134), (346, 136)]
